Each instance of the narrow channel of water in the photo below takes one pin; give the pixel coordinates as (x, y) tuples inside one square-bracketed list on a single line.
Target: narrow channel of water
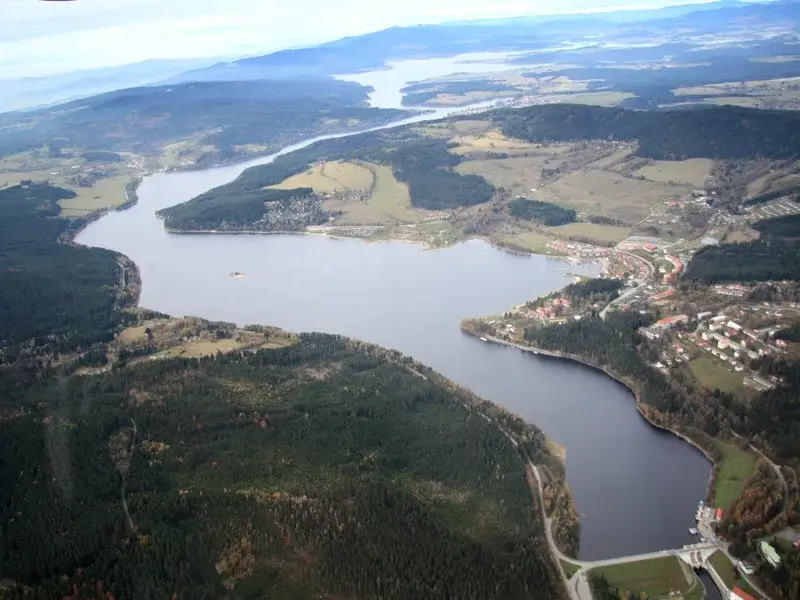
[(635, 487)]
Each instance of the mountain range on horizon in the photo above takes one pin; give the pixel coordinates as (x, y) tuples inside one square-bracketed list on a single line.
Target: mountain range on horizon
[(373, 50)]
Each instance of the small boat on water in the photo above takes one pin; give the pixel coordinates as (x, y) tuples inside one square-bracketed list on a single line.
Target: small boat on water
[(693, 531), (483, 339)]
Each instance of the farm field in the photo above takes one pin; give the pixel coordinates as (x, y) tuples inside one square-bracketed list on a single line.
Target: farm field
[(736, 468), (691, 172), (601, 233), (657, 577)]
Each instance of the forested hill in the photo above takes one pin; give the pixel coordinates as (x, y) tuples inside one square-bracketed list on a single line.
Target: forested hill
[(426, 165), (225, 115), (774, 257), (53, 296), (708, 132), (321, 469)]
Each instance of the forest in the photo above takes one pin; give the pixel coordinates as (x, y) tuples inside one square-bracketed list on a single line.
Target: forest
[(326, 467), (546, 213), (226, 115), (703, 132), (424, 164), (54, 295), (775, 256)]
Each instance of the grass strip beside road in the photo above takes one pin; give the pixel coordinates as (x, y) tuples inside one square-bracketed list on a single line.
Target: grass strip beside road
[(727, 571), (569, 568), (736, 468)]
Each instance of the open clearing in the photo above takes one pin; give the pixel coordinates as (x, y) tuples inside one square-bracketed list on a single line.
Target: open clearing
[(601, 233), (391, 197), (519, 175), (657, 577), (193, 337), (531, 242), (712, 375), (492, 141), (329, 177), (737, 466), (727, 571), (106, 193), (692, 172)]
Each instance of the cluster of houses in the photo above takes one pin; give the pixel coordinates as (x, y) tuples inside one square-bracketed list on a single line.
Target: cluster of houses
[(735, 289), (677, 268), (621, 265), (578, 249), (553, 310)]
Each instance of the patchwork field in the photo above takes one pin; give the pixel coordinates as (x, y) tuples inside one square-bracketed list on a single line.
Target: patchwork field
[(601, 233), (693, 172)]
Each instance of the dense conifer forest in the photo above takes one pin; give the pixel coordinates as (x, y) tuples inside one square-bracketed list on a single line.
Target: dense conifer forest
[(773, 257), (707, 132), (54, 296), (323, 467), (546, 213)]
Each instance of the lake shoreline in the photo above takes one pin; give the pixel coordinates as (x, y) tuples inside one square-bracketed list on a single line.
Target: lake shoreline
[(636, 395)]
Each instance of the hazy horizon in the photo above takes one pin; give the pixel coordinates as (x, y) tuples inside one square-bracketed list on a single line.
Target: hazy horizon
[(51, 38)]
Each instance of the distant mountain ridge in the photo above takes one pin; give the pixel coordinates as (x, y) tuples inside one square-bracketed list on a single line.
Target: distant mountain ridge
[(374, 50)]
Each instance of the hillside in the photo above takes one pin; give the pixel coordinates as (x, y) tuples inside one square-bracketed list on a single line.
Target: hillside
[(182, 458), (219, 119), (323, 467)]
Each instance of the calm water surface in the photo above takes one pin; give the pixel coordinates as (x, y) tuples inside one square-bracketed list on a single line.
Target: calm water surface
[(636, 488)]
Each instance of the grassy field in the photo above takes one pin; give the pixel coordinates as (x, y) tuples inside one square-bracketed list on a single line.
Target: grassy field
[(520, 175), (602, 233), (727, 571), (691, 172), (106, 193), (656, 577), (531, 242), (391, 197), (736, 468), (191, 337), (712, 375), (493, 141), (469, 98), (329, 177)]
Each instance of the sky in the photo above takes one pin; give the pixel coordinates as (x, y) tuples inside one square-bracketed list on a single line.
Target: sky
[(44, 38)]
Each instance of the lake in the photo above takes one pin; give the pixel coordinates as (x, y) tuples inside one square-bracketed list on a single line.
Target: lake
[(635, 487)]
